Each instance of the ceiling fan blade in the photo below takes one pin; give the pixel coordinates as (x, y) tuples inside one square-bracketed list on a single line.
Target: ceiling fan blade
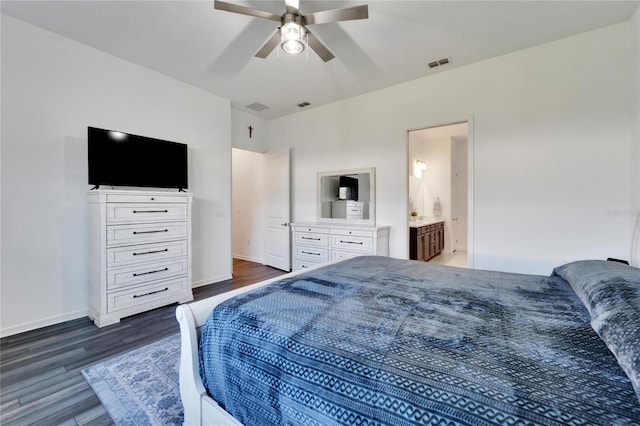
[(229, 7), (292, 6), (269, 45), (329, 16), (317, 46)]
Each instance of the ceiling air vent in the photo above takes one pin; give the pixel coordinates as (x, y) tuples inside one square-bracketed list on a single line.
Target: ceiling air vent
[(257, 106), (443, 61), (303, 104)]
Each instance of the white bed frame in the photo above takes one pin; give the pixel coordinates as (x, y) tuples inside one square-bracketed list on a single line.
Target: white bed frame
[(199, 407)]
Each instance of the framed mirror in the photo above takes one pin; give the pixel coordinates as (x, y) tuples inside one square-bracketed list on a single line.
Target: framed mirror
[(347, 196)]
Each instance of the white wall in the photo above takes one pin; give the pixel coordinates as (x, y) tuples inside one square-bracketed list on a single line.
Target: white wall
[(635, 134), (416, 187), (552, 139), (1, 181), (460, 165), (437, 182), (248, 205), (635, 128), (53, 88), (248, 226), (240, 138)]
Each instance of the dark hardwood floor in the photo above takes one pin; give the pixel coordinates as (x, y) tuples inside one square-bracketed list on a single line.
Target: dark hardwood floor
[(40, 379)]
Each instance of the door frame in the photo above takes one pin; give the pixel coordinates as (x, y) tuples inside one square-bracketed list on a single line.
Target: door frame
[(470, 180)]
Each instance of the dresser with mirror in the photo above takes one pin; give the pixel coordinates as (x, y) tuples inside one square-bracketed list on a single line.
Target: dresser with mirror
[(346, 221)]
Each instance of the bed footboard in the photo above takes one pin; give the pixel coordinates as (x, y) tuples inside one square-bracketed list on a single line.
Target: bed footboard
[(191, 388), (199, 408)]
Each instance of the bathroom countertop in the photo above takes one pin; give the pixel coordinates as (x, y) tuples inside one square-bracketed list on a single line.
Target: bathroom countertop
[(425, 220)]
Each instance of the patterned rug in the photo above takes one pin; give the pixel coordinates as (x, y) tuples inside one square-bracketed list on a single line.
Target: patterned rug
[(141, 387)]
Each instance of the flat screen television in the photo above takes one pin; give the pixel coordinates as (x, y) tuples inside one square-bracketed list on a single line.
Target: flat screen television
[(122, 159)]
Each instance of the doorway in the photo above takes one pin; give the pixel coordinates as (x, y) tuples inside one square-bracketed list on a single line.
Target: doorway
[(440, 188), (247, 205), (260, 207)]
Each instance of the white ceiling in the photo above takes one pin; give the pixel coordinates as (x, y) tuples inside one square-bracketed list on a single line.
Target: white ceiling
[(211, 49)]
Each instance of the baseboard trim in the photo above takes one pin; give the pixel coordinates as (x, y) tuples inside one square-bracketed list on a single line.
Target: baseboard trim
[(45, 322), (57, 319), (250, 259), (212, 280)]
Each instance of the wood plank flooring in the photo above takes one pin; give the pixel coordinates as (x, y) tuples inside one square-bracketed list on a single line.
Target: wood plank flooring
[(40, 379)]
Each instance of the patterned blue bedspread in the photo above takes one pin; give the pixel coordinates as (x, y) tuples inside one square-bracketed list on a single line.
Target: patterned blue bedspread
[(381, 341)]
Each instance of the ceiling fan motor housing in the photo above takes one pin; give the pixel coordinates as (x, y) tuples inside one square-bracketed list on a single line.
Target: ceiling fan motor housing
[(292, 34)]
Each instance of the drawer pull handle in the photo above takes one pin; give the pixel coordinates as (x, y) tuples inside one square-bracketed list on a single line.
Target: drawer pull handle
[(150, 232), (150, 252), (151, 211), (151, 272), (310, 252), (309, 238), (352, 242), (150, 293)]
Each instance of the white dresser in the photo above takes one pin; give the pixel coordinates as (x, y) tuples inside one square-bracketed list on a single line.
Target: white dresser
[(140, 252), (315, 243)]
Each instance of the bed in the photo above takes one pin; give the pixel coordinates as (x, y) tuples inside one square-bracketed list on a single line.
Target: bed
[(381, 341)]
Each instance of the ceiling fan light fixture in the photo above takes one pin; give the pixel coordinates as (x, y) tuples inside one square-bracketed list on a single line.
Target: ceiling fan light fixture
[(293, 34), (292, 38)]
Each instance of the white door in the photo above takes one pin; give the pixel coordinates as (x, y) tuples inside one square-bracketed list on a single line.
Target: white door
[(277, 235)]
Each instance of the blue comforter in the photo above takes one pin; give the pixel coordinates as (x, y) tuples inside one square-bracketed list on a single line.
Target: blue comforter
[(380, 341)]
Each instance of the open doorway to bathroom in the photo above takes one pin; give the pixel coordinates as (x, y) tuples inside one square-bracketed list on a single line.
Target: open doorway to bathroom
[(439, 192)]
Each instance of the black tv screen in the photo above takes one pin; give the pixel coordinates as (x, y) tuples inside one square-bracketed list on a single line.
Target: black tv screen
[(122, 159), (351, 185)]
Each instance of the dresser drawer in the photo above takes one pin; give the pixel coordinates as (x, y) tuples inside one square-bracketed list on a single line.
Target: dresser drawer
[(121, 256), (311, 228), (145, 212), (304, 264), (320, 254), (352, 243), (352, 232), (143, 198), (145, 232), (340, 254), (308, 238), (159, 291), (139, 274)]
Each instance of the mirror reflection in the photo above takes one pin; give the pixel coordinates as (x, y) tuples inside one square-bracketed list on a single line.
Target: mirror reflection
[(347, 195)]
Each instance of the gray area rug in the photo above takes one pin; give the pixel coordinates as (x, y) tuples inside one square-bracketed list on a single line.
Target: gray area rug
[(141, 387)]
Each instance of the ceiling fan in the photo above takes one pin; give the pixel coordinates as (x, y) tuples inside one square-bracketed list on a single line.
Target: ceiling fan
[(293, 34)]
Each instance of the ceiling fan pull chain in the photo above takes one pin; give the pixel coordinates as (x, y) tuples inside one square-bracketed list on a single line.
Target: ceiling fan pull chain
[(306, 42)]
